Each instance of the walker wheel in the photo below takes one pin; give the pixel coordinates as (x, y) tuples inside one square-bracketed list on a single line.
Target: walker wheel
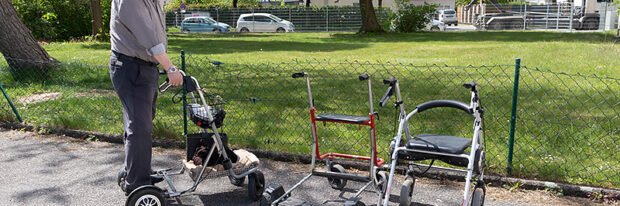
[(337, 183), (256, 185), (477, 198), (120, 178), (147, 196), (382, 176), (235, 181), (406, 191)]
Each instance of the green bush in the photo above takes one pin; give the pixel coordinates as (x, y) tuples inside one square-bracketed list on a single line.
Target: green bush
[(59, 19), (194, 4), (410, 18)]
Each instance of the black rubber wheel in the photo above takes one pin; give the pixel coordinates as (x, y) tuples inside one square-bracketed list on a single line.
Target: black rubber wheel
[(147, 196), (185, 30), (382, 176), (591, 24), (280, 30), (406, 192), (435, 28), (516, 25), (235, 181), (244, 30), (120, 178), (477, 198), (256, 185), (217, 30), (337, 183), (495, 26)]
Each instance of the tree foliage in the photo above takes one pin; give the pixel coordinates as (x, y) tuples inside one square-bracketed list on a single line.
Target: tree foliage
[(411, 18), (59, 19)]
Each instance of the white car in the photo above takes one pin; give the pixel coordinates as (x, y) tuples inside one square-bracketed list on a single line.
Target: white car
[(263, 22), (448, 17)]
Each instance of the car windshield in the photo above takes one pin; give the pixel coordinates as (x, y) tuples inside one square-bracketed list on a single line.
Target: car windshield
[(449, 12), (275, 18)]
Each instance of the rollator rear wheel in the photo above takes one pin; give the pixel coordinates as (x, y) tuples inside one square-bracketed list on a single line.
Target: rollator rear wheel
[(406, 192), (337, 183), (147, 196), (256, 185), (478, 197)]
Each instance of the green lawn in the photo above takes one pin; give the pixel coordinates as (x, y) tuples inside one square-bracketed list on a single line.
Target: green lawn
[(557, 112), (586, 53)]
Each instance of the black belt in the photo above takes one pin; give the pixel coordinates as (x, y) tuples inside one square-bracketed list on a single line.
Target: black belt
[(135, 59)]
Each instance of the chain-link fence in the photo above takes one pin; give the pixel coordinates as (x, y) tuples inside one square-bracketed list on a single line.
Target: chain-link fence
[(305, 19), (559, 17), (566, 126)]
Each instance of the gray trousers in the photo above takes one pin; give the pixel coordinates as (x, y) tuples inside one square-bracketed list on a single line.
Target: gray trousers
[(136, 85)]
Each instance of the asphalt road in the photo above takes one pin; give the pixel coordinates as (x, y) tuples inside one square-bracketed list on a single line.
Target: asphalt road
[(53, 170)]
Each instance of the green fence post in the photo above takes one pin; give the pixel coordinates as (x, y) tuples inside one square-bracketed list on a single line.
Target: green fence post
[(11, 104), (184, 93), (513, 115)]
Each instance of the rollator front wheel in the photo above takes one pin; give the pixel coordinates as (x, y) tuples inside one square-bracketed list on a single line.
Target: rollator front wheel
[(478, 197), (406, 192), (337, 183), (147, 196), (236, 182), (256, 185), (382, 176)]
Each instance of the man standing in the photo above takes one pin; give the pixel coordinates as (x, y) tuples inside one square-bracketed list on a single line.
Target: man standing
[(138, 38)]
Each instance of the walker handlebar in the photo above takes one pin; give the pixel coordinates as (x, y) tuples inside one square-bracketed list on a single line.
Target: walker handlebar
[(364, 77), (299, 74), (390, 81)]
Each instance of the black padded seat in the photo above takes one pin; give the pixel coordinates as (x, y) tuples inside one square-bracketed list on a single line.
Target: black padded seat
[(342, 118), (439, 143)]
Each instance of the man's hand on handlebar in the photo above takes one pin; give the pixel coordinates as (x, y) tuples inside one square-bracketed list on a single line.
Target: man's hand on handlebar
[(175, 78)]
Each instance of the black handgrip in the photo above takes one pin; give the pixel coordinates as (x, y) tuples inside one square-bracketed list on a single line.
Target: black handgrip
[(364, 77), (386, 96), (471, 85), (162, 72), (390, 81), (298, 74)]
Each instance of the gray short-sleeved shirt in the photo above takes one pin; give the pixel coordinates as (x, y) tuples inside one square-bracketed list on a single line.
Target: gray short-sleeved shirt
[(137, 28)]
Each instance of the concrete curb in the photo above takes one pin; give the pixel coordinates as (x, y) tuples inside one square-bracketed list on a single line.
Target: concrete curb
[(434, 173)]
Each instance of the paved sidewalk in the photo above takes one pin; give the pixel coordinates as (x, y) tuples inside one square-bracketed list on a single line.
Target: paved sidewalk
[(53, 170)]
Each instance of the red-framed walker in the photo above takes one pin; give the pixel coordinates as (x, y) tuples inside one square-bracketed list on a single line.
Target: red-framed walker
[(335, 173)]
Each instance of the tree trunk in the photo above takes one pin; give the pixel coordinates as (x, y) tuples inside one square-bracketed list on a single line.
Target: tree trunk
[(308, 3), (369, 18), (235, 3), (380, 4), (17, 44), (97, 22)]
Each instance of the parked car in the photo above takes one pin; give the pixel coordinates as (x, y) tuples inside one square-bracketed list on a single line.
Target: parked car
[(263, 22), (448, 17), (203, 24)]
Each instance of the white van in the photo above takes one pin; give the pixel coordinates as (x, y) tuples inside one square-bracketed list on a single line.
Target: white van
[(448, 17), (263, 22)]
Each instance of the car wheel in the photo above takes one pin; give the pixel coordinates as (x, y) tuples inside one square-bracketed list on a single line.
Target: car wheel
[(435, 28), (516, 25), (280, 30), (244, 30), (185, 30), (495, 26), (591, 24), (217, 30)]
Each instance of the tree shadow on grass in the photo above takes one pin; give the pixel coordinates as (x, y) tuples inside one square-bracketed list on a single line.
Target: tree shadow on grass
[(477, 36)]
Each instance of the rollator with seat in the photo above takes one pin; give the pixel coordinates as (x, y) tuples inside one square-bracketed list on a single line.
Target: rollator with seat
[(405, 149), (336, 174)]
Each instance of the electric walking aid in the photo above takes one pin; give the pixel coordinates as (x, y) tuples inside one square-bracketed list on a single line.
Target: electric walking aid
[(336, 174), (206, 116), (448, 149)]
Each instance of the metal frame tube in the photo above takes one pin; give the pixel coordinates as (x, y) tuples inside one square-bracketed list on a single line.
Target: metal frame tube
[(11, 104)]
